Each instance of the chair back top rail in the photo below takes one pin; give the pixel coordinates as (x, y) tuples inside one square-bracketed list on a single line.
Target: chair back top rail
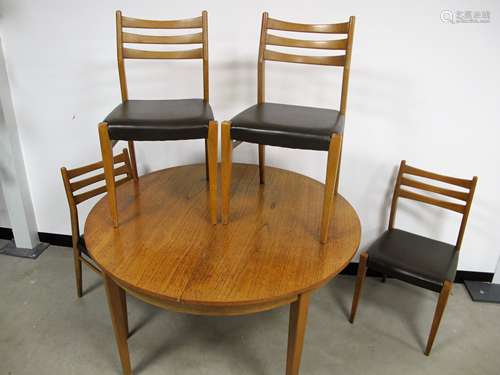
[(139, 23), (333, 28), (124, 38), (343, 45), (465, 196)]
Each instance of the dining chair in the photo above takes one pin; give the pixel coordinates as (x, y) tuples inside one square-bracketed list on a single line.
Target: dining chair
[(160, 120), (121, 167), (292, 126), (412, 258)]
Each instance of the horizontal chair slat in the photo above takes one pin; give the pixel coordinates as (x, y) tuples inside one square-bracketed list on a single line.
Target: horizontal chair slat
[(436, 202), (336, 28), (188, 23), (301, 59), (450, 180), (98, 177), (130, 53), (162, 39), (435, 189), (72, 173), (92, 193), (340, 44)]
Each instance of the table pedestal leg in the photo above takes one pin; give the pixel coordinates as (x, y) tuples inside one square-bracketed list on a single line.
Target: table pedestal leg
[(296, 331), (116, 298)]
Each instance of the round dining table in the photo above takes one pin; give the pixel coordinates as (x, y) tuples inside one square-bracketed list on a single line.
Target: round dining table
[(166, 252)]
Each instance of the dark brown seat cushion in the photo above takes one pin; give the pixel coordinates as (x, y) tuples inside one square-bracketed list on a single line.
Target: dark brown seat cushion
[(415, 259), (160, 120), (286, 125)]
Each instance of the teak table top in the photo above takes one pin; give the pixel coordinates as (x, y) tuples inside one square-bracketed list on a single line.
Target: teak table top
[(165, 248)]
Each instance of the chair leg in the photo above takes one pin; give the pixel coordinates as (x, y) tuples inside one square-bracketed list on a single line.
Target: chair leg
[(262, 162), (227, 154), (206, 161), (331, 177), (438, 314), (211, 143), (131, 150), (359, 284), (78, 272), (340, 162), (107, 159)]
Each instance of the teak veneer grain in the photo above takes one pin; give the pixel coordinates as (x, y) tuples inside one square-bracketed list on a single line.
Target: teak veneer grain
[(166, 248), (166, 253)]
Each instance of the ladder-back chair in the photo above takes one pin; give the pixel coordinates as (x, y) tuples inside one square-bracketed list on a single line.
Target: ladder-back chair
[(293, 126)]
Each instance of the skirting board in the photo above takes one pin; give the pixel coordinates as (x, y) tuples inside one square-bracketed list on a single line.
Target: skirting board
[(352, 269)]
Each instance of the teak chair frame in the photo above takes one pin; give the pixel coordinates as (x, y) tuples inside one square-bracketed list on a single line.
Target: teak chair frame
[(462, 209), (74, 199), (123, 37), (344, 61)]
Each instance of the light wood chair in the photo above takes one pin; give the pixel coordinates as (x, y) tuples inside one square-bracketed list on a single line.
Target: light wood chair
[(160, 120), (418, 260), (289, 125), (122, 169)]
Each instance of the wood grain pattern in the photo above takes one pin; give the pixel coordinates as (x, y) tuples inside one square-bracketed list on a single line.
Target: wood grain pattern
[(403, 193), (132, 53), (226, 169), (347, 65), (162, 39), (332, 170), (188, 23), (438, 314), (302, 59), (116, 300), (167, 249), (206, 82), (275, 40), (296, 333), (335, 28), (212, 139), (363, 258)]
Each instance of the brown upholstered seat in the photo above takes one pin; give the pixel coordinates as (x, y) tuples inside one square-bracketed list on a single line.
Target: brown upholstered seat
[(415, 259), (160, 120), (286, 125)]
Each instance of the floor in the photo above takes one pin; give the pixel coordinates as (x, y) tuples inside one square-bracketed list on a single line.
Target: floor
[(45, 329)]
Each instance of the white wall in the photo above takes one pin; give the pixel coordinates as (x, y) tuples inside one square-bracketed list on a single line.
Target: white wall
[(421, 90)]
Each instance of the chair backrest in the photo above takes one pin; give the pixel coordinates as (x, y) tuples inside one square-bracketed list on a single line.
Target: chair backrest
[(72, 187), (461, 199), (343, 60), (124, 37)]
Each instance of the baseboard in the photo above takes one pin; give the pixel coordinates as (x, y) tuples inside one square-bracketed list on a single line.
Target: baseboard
[(352, 269)]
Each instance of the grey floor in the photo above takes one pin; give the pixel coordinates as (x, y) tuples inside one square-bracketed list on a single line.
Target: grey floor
[(45, 329)]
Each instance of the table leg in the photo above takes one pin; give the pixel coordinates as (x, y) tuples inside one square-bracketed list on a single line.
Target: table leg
[(296, 331), (116, 298)]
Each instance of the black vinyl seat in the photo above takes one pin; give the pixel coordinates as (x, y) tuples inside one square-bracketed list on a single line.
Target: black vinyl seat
[(287, 125), (412, 258), (160, 120)]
